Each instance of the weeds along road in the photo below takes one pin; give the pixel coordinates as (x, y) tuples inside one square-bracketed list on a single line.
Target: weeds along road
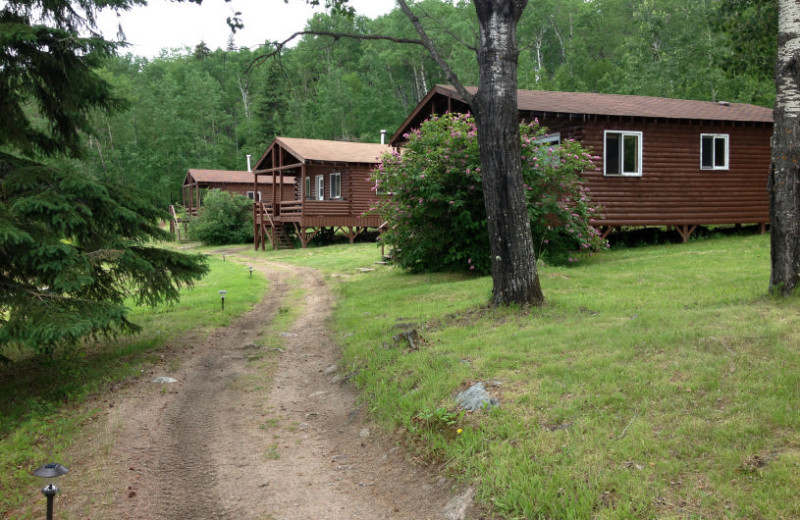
[(259, 426)]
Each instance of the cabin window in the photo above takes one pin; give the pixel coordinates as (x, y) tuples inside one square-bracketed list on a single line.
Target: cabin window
[(549, 139), (336, 185), (309, 193), (320, 187), (254, 195), (548, 143), (622, 153), (713, 151)]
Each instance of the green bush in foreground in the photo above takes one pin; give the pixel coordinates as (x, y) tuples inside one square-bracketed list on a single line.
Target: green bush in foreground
[(225, 219), (436, 214)]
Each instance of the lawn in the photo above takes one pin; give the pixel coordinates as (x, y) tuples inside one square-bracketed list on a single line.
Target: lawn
[(656, 382)]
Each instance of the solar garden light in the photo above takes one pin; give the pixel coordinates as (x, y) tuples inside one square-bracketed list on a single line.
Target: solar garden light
[(50, 472), (222, 298), (223, 257), (251, 271)]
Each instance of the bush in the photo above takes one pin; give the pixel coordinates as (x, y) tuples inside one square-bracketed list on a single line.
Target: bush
[(436, 213), (226, 218)]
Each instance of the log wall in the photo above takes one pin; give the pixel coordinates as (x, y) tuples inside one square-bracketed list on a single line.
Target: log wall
[(673, 190)]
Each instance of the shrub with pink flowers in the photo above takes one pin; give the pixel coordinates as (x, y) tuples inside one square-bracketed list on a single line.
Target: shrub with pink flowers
[(436, 214)]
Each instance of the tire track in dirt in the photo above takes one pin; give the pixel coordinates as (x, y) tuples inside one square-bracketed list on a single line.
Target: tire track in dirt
[(233, 441)]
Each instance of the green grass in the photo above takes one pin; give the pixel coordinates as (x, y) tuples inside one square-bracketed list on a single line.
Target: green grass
[(656, 382), (41, 412)]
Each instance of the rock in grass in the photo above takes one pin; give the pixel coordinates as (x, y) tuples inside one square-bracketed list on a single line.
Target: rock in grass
[(164, 379), (476, 398)]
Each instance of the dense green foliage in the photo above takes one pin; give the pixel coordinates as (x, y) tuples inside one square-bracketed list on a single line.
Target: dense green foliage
[(202, 108), (73, 244), (436, 212), (226, 218)]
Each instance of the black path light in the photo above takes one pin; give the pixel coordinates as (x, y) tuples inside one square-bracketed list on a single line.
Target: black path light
[(50, 472), (223, 256), (222, 298), (251, 271)]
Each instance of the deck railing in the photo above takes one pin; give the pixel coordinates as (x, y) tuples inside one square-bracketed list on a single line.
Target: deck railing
[(291, 207)]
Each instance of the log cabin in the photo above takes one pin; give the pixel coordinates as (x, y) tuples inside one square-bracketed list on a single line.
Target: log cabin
[(333, 189), (659, 162), (240, 182)]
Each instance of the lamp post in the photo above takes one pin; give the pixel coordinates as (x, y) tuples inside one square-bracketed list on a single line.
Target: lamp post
[(50, 472), (222, 298)]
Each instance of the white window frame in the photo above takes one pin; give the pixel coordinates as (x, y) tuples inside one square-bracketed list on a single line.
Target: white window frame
[(307, 193), (336, 187), (714, 137), (621, 153), (252, 195), (549, 138), (320, 187)]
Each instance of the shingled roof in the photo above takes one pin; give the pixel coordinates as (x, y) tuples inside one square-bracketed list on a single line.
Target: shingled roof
[(228, 177), (632, 106), (543, 102), (320, 150)]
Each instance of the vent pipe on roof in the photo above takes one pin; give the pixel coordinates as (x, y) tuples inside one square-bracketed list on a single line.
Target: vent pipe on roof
[(383, 136), (249, 169)]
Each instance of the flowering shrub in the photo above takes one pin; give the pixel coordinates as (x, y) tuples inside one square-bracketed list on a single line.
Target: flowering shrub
[(436, 214)]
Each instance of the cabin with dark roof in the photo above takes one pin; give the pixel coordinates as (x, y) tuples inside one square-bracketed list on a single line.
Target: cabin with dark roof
[(333, 189), (240, 182), (660, 162)]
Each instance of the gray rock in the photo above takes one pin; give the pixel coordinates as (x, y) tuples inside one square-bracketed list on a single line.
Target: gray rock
[(476, 398), (164, 379), (457, 507), (364, 433), (331, 369)]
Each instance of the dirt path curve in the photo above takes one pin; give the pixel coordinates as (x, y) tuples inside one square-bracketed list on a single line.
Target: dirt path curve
[(255, 433)]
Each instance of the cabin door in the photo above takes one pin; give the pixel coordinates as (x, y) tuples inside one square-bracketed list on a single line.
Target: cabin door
[(320, 187)]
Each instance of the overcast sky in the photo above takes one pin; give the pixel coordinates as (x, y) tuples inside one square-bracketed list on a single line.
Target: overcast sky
[(167, 25)]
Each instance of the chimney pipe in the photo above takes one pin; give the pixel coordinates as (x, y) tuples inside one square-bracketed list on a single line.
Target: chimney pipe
[(383, 136), (249, 169)]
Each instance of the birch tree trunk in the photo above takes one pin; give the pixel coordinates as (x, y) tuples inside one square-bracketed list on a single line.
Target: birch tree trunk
[(784, 180), (514, 275)]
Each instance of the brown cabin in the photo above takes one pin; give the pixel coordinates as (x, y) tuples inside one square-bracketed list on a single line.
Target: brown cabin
[(661, 162), (333, 189), (226, 180)]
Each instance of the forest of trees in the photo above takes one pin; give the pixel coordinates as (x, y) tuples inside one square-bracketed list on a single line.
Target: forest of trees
[(202, 108)]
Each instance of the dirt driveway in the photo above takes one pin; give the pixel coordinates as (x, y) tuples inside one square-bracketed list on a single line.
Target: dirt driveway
[(249, 432)]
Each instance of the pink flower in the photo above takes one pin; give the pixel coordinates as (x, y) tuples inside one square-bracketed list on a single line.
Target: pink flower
[(452, 202)]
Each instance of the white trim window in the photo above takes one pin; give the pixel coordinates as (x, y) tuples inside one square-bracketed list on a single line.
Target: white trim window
[(714, 150), (549, 139), (309, 194), (320, 187), (336, 185), (622, 153), (252, 196)]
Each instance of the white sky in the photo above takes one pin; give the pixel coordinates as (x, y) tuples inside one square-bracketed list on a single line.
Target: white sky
[(167, 25)]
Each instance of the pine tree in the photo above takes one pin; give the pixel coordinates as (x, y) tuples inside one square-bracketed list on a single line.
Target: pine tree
[(72, 247)]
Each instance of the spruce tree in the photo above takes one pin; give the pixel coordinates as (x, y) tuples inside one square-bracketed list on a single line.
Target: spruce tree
[(73, 247)]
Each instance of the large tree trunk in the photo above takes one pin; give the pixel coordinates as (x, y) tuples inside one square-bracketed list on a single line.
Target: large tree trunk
[(784, 180), (514, 273)]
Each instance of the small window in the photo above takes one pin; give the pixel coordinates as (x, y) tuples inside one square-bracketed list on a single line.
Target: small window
[(336, 185), (320, 187), (622, 153), (254, 195), (309, 193), (713, 151), (549, 139)]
